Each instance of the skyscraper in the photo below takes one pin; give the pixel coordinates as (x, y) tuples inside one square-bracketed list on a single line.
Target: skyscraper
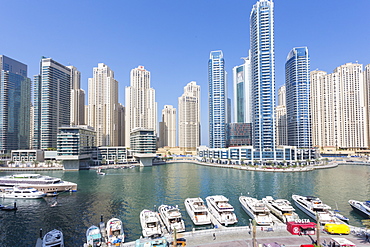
[(15, 104), (217, 100), (103, 106), (339, 110), (263, 78), (141, 108), (189, 116), (52, 102), (281, 125), (242, 92), (77, 98), (297, 82), (167, 132)]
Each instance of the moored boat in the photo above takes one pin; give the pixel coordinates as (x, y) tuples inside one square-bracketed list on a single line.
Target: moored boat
[(93, 237), (281, 208), (363, 207), (150, 224), (197, 211), (22, 193), (115, 232), (145, 242), (221, 209), (53, 238), (314, 208), (257, 210), (171, 217)]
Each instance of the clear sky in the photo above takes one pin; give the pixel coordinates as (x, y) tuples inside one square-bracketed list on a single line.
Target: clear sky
[(173, 39)]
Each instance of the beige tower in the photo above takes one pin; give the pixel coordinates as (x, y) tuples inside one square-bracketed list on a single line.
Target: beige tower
[(141, 108), (281, 123), (189, 117), (103, 105), (77, 98), (167, 128)]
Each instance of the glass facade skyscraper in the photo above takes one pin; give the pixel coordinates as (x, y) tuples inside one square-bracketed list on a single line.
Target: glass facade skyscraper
[(242, 92), (297, 82), (217, 100), (15, 104), (263, 78), (52, 102)]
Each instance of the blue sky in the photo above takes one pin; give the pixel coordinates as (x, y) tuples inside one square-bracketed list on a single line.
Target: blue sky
[(173, 39)]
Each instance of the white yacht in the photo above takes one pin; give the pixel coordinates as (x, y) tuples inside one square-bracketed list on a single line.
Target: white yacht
[(281, 208), (150, 223), (197, 211), (361, 206), (257, 210), (37, 181), (171, 217), (313, 206), (115, 233), (23, 193), (221, 209), (93, 237), (53, 238)]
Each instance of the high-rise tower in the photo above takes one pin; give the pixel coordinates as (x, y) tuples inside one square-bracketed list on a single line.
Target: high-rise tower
[(242, 92), (141, 108), (217, 100), (189, 116), (77, 98), (52, 102), (297, 82), (263, 78), (103, 107), (167, 132), (15, 104)]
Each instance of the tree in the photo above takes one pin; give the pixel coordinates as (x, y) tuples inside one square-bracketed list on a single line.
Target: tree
[(104, 161)]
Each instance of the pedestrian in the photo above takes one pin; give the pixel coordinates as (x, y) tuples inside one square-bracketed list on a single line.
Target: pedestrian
[(214, 236)]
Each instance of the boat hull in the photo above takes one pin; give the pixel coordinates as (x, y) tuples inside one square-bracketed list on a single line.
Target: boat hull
[(265, 221), (223, 217), (150, 224), (357, 206), (202, 218)]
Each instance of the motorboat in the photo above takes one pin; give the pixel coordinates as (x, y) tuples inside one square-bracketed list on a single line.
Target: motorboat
[(53, 238), (339, 215), (157, 242), (221, 209), (99, 172), (363, 207), (257, 210), (9, 208), (315, 208), (93, 237), (115, 232), (171, 217), (37, 181), (150, 224), (23, 193), (281, 208), (197, 211)]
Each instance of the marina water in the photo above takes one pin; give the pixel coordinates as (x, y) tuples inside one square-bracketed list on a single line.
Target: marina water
[(123, 193)]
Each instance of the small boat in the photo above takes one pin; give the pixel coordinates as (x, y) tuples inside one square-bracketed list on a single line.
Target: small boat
[(314, 208), (53, 238), (363, 207), (145, 242), (115, 232), (24, 193), (93, 237), (171, 217), (197, 211), (338, 215), (221, 209), (150, 223), (52, 194), (257, 210), (9, 208), (99, 172), (281, 208)]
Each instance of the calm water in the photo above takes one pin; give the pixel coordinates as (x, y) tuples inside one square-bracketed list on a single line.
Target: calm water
[(124, 193)]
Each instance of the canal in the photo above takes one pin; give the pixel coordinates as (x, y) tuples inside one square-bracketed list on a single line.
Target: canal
[(124, 193)]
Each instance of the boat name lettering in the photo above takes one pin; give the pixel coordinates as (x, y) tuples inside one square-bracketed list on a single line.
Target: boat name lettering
[(302, 221)]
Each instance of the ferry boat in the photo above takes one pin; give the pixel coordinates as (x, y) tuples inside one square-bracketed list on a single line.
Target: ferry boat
[(53, 238), (22, 193), (281, 208), (197, 211), (313, 206), (257, 210), (171, 217), (221, 209), (158, 242), (150, 223), (115, 232), (37, 181), (93, 237), (363, 207)]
